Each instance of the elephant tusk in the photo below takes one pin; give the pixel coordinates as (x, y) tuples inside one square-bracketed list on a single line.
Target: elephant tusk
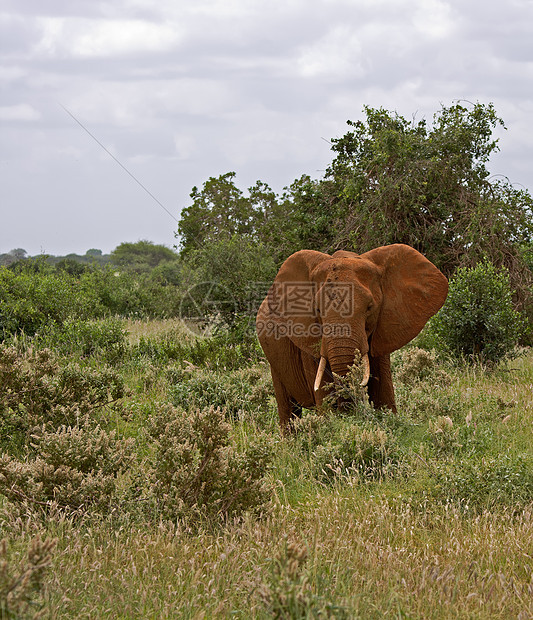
[(366, 374), (320, 372)]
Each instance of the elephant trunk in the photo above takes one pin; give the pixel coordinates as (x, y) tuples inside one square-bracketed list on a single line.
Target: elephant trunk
[(341, 357)]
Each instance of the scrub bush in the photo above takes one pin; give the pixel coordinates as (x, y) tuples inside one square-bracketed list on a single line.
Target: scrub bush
[(30, 300), (75, 468), (198, 474), (37, 392), (21, 580), (478, 321), (238, 392), (358, 453), (104, 337)]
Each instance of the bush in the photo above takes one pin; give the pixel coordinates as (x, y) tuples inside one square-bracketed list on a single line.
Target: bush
[(21, 581), (31, 299), (74, 468), (478, 485), (37, 391), (198, 475), (357, 453), (104, 337), (478, 321), (237, 392), (288, 593)]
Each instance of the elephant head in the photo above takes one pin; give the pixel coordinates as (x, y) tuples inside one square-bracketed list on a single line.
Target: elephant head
[(321, 309)]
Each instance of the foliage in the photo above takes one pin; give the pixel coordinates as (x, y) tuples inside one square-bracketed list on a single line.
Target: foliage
[(480, 485), (223, 349), (358, 454), (359, 506), (288, 592), (428, 187), (37, 296), (21, 581), (38, 392), (142, 256), (73, 468), (199, 476), (105, 338), (295, 220), (219, 211), (226, 277), (478, 320), (239, 392), (413, 365)]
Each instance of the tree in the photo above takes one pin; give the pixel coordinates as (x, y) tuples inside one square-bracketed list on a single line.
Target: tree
[(18, 253), (402, 181), (295, 220), (226, 277), (219, 211), (141, 256)]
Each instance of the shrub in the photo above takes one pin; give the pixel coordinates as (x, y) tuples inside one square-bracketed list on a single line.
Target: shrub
[(224, 348), (288, 593), (29, 300), (412, 365), (37, 391), (478, 321), (237, 392), (21, 581), (358, 453), (74, 467), (505, 480), (104, 337), (198, 474)]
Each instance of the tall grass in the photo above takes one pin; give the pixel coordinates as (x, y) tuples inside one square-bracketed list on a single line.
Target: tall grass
[(426, 513)]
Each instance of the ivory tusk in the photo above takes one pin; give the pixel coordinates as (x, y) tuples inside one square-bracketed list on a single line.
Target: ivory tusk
[(320, 372), (366, 374)]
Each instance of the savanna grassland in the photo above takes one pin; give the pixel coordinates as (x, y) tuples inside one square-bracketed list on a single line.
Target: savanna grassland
[(173, 494), (142, 471)]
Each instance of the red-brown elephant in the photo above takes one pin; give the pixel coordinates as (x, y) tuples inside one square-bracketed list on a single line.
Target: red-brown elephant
[(321, 309)]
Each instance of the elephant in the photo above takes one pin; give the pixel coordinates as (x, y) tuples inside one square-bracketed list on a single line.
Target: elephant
[(323, 308)]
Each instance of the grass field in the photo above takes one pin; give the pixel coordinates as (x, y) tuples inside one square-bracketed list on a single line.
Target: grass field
[(426, 513)]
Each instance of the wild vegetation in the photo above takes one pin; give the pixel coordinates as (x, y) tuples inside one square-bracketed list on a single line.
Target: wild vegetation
[(142, 473)]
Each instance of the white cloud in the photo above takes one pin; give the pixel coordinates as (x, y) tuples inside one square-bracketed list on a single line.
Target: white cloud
[(434, 19), (338, 53), (88, 38), (20, 112)]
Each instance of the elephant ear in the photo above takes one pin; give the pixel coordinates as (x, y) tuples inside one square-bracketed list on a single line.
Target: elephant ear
[(413, 291), (291, 300)]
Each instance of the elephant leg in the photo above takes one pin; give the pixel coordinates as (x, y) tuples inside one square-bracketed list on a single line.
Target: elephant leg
[(288, 408), (380, 388)]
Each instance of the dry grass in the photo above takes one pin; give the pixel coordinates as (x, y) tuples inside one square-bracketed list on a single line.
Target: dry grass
[(138, 329), (391, 546), (371, 557)]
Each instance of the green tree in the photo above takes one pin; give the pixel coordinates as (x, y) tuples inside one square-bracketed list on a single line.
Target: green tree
[(400, 181), (219, 211), (141, 256), (226, 277)]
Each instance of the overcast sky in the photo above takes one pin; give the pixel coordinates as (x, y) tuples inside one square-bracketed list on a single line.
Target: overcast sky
[(182, 90)]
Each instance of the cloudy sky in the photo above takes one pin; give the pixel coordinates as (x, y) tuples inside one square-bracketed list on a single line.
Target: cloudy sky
[(181, 90)]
